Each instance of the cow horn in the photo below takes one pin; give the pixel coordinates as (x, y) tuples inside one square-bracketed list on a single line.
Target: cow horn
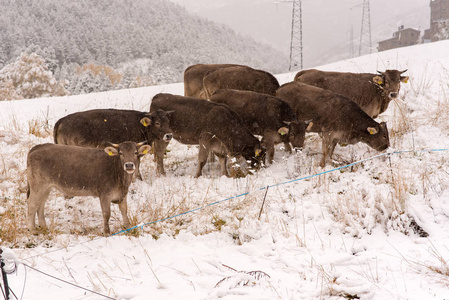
[(400, 72), (287, 123), (141, 143), (381, 73), (113, 145)]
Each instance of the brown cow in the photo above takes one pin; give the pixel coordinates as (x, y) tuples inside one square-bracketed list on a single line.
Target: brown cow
[(372, 92), (99, 127), (78, 171), (215, 127), (267, 116), (193, 78), (335, 117), (240, 78)]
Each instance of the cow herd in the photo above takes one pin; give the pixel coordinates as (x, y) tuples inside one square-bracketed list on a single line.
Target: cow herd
[(224, 107)]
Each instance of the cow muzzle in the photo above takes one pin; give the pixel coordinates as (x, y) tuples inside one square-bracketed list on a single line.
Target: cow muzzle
[(129, 167), (393, 95), (167, 137), (298, 149)]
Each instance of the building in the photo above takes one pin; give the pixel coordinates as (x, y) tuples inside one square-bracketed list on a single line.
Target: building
[(401, 38), (439, 20)]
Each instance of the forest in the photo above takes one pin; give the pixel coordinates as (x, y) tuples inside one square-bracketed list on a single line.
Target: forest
[(92, 46)]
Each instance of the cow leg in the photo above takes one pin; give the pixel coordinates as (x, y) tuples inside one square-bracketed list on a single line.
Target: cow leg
[(287, 147), (36, 203), (328, 147), (123, 206), (106, 212), (269, 143), (159, 151), (202, 159), (223, 159)]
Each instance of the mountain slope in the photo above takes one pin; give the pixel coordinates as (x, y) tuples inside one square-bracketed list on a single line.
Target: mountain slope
[(120, 31)]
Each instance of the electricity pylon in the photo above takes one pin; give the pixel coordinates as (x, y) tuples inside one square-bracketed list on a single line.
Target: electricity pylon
[(365, 34), (296, 57)]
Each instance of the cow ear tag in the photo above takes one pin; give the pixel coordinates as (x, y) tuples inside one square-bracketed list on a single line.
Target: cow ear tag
[(110, 151), (404, 79), (258, 152), (372, 130), (145, 122), (144, 149), (378, 79)]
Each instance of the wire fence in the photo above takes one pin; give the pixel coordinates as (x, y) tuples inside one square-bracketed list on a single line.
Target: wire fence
[(221, 201)]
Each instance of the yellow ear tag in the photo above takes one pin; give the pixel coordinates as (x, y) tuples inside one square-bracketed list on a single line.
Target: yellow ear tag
[(145, 151), (372, 131), (144, 123), (257, 152), (379, 82), (405, 81), (110, 153), (105, 120)]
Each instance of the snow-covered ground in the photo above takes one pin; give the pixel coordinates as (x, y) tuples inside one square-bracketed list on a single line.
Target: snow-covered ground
[(357, 232)]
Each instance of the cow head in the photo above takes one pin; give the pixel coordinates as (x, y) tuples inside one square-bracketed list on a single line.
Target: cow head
[(377, 137), (157, 125), (255, 156), (390, 82), (129, 153), (294, 133)]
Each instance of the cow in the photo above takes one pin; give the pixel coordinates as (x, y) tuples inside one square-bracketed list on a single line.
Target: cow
[(216, 128), (99, 127), (267, 116), (240, 78), (79, 171), (372, 92), (335, 117), (193, 78)]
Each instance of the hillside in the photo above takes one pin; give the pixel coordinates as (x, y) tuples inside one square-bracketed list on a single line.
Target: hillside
[(370, 226), (152, 38)]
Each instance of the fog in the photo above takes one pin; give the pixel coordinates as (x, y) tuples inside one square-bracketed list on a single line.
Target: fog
[(326, 23)]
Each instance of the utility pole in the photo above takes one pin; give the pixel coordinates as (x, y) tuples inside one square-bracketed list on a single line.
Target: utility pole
[(296, 56), (365, 35)]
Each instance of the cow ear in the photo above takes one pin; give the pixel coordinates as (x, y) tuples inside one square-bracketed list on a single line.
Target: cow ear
[(145, 121), (144, 149), (283, 130), (372, 130), (111, 151), (377, 79), (404, 79)]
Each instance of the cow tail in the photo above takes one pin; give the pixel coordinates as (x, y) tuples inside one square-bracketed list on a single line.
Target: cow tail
[(55, 131), (28, 190)]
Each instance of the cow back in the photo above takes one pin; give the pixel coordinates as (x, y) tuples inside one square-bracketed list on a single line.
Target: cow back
[(193, 78), (259, 112), (99, 127), (240, 78)]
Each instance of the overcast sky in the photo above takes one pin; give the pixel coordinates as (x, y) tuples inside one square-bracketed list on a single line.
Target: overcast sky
[(326, 23)]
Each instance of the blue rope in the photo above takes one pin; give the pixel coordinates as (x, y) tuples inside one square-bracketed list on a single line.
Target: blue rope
[(277, 184)]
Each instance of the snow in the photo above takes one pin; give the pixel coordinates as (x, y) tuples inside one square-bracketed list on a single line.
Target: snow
[(348, 233)]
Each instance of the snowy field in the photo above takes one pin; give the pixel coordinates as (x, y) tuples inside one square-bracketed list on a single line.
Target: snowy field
[(376, 230)]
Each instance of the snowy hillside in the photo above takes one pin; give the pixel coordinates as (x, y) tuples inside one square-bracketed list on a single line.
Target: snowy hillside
[(378, 229)]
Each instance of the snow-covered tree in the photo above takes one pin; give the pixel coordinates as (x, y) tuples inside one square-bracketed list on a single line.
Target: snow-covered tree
[(28, 77)]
